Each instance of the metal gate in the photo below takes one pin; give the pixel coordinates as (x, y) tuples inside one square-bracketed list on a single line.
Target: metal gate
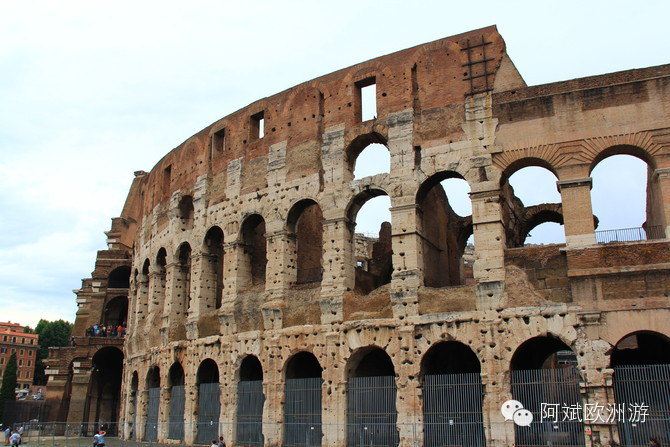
[(559, 387), (647, 385), (250, 400), (209, 408), (452, 410), (302, 412), (151, 425), (371, 412), (176, 423)]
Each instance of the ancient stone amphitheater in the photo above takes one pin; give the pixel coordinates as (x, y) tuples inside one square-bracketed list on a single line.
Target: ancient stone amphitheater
[(255, 311)]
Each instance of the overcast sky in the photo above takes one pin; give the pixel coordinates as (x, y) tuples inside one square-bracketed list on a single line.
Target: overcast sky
[(92, 91)]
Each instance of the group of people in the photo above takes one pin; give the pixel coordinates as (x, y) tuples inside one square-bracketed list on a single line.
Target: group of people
[(100, 330), (13, 437), (219, 443)]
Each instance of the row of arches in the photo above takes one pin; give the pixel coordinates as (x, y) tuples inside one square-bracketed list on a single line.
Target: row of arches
[(542, 370), (622, 171)]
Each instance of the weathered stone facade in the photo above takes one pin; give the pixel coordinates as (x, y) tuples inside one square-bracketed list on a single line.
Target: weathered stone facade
[(243, 244)]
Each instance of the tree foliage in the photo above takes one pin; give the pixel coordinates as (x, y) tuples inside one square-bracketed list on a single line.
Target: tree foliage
[(51, 334), (7, 390)]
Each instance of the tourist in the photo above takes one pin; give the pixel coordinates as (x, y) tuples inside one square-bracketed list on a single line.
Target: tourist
[(214, 443), (222, 443), (99, 439), (15, 439), (8, 433)]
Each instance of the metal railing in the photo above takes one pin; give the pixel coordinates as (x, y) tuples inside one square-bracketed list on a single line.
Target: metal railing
[(630, 234)]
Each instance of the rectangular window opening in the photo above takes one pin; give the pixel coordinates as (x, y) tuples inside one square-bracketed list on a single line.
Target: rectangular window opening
[(367, 93), (167, 178), (218, 142), (258, 126)]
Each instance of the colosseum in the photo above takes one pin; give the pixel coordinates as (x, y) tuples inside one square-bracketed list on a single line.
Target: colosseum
[(255, 311)]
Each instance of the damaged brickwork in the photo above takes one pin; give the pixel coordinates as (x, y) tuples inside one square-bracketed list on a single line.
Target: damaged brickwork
[(241, 255)]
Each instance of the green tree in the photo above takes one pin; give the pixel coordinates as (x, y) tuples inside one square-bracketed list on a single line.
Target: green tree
[(51, 334), (7, 390)]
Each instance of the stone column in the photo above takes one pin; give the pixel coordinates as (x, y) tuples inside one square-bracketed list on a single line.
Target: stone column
[(141, 416), (277, 277), (190, 410), (577, 212), (273, 409), (338, 268), (164, 413), (408, 386), (333, 396), (197, 304), (170, 305), (661, 182), (489, 234), (232, 252), (407, 259)]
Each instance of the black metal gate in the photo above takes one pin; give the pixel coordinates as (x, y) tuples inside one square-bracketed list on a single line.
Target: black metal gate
[(151, 425), (302, 412), (209, 408), (557, 387), (176, 422), (452, 410), (647, 389), (371, 412), (250, 400)]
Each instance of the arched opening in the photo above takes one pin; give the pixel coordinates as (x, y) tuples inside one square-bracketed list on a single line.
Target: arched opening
[(544, 371), (368, 155), (371, 399), (212, 275), (182, 298), (641, 362), (626, 173), (119, 278), (114, 316), (102, 401), (143, 293), (209, 402), (452, 396), (186, 211), (153, 387), (250, 401), (254, 262), (302, 401), (527, 187), (370, 216), (159, 280), (445, 214), (305, 229), (177, 401), (132, 410)]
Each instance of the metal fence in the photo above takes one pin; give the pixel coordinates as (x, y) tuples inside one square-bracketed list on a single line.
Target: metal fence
[(302, 412), (647, 385), (151, 425), (550, 386), (630, 234), (250, 400), (371, 412), (209, 408), (452, 410), (177, 402)]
